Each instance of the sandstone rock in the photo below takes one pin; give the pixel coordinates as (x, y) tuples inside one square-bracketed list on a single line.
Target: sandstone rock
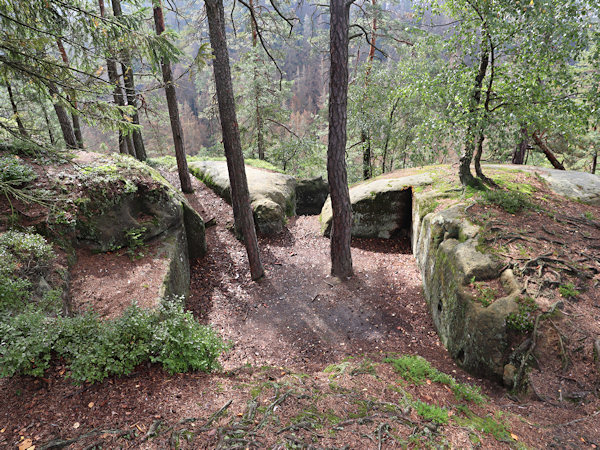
[(272, 194), (379, 207)]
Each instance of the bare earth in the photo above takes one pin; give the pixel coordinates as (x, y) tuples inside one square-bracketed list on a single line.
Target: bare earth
[(279, 388)]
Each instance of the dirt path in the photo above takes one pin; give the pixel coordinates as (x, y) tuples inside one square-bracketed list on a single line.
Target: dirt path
[(298, 315)]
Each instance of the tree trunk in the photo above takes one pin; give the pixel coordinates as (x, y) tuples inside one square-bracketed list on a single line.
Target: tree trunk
[(171, 94), (364, 134), (260, 139), (464, 170), (341, 256), (128, 81), (15, 110), (71, 98), (125, 142), (48, 124), (388, 134), (544, 148), (518, 156), (63, 118), (595, 162), (240, 197)]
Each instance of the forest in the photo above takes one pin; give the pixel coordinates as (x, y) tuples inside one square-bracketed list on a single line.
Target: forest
[(266, 224), (506, 81)]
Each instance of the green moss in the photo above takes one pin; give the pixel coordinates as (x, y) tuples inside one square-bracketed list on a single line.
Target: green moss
[(418, 370), (493, 425)]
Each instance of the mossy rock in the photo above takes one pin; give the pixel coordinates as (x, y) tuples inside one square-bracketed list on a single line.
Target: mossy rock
[(380, 207), (272, 194)]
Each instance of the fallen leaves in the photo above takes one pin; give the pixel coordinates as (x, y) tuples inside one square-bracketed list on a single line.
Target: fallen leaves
[(26, 444)]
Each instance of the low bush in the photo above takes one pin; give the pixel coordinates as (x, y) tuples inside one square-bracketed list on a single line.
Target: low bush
[(94, 350)]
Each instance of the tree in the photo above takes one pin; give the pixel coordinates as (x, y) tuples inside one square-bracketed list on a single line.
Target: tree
[(15, 110), (184, 175), (240, 197), (341, 256), (125, 141), (128, 81)]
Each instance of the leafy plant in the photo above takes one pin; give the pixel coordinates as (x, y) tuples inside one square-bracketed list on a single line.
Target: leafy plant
[(181, 344), (135, 242), (568, 291), (94, 349), (523, 320), (15, 172), (417, 370), (485, 295)]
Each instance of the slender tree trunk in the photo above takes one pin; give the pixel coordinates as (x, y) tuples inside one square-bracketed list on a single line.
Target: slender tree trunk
[(48, 124), (260, 139), (341, 256), (595, 162), (125, 140), (364, 134), (171, 94), (464, 170), (518, 156), (388, 135), (477, 156), (15, 110), (71, 98), (240, 196), (549, 154), (128, 81), (63, 118)]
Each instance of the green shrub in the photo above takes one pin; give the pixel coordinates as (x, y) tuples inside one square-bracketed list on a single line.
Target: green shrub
[(24, 257), (94, 349), (510, 201), (97, 350), (417, 370), (26, 343), (15, 172), (181, 344)]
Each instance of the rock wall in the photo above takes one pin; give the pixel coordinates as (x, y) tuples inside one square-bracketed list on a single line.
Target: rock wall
[(272, 194), (445, 246)]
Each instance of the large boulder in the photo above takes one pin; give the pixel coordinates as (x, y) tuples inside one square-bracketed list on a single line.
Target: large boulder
[(380, 208), (311, 194), (272, 194), (116, 201)]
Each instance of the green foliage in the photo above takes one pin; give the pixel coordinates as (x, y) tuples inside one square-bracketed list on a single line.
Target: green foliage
[(15, 172), (25, 257), (510, 201), (568, 291), (135, 242), (94, 349), (181, 344), (485, 295), (417, 370), (26, 343), (523, 320), (430, 412)]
